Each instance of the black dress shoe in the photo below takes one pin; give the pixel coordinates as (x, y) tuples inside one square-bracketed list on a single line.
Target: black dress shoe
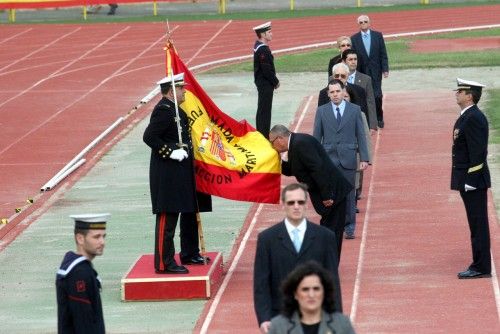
[(469, 273), (381, 124), (173, 268), (197, 259)]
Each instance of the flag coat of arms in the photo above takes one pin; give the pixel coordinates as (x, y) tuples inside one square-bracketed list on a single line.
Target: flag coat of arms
[(232, 159)]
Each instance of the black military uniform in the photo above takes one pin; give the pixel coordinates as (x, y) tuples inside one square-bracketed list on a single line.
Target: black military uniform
[(173, 187), (470, 175), (265, 79), (79, 308)]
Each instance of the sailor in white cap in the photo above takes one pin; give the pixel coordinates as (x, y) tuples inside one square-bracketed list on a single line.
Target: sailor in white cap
[(470, 174), (264, 77), (77, 283), (172, 180)]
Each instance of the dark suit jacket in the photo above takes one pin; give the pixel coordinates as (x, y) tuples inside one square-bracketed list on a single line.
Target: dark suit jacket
[(276, 257), (374, 64), (172, 183), (310, 164), (469, 152)]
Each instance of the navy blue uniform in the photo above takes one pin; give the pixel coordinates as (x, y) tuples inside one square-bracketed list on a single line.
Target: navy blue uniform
[(172, 184), (469, 166), (79, 308), (266, 81)]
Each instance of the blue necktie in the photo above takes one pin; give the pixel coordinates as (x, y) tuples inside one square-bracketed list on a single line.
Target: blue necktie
[(296, 239), (338, 116), (350, 79), (367, 43)]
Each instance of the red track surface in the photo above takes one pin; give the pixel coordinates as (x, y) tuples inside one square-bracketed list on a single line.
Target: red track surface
[(60, 86)]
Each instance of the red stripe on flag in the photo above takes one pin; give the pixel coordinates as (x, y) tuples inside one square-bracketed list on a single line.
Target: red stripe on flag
[(264, 186)]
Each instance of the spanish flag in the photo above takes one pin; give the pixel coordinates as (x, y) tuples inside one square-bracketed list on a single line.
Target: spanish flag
[(232, 159)]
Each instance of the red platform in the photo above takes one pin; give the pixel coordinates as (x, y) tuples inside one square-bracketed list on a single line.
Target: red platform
[(142, 283)]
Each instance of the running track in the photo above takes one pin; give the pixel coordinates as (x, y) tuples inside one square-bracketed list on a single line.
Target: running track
[(62, 85)]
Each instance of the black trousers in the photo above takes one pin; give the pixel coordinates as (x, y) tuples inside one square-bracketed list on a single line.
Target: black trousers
[(334, 219), (378, 106), (164, 237), (476, 207), (264, 106)]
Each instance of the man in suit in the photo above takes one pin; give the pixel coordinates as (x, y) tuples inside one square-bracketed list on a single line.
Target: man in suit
[(357, 93), (339, 127), (264, 77), (172, 182), (343, 43), (282, 247), (373, 60), (310, 164), (470, 174), (350, 58)]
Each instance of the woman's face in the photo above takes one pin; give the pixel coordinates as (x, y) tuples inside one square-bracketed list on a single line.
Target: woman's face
[(347, 97), (310, 294)]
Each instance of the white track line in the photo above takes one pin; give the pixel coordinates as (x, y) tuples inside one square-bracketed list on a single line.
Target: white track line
[(209, 41), (227, 278), (362, 246), (494, 282), (81, 97), (40, 49), (50, 76), (325, 44), (16, 35)]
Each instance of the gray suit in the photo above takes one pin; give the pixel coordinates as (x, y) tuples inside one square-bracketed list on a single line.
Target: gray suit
[(342, 143), (330, 323), (365, 81)]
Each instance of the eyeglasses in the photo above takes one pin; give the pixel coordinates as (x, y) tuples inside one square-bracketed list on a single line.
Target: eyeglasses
[(343, 76), (361, 22), (299, 202), (272, 141), (344, 45)]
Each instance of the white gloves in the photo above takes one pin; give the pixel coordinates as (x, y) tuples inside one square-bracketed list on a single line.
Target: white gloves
[(178, 154), (469, 188)]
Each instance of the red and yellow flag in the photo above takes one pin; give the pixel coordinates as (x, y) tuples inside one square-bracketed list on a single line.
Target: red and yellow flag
[(232, 159)]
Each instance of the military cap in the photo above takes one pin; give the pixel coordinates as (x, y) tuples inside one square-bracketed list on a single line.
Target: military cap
[(469, 85), (91, 221), (178, 80), (263, 27)]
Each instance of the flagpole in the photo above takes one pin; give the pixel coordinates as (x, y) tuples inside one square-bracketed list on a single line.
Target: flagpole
[(201, 237)]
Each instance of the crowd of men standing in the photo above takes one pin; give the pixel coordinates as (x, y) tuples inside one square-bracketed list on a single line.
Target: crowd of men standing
[(326, 164), (296, 279)]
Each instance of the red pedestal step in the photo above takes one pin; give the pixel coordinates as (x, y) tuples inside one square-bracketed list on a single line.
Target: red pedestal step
[(142, 283)]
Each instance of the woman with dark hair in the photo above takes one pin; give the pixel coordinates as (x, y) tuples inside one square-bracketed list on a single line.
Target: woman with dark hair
[(308, 304)]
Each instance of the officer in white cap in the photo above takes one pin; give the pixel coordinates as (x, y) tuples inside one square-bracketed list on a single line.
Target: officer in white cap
[(264, 77), (470, 174), (172, 181), (78, 286)]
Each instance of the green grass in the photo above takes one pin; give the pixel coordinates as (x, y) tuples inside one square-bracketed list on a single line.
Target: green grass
[(400, 56), (492, 107)]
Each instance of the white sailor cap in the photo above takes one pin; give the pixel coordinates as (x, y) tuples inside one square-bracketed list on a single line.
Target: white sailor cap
[(469, 85), (178, 79), (91, 221), (263, 27)]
